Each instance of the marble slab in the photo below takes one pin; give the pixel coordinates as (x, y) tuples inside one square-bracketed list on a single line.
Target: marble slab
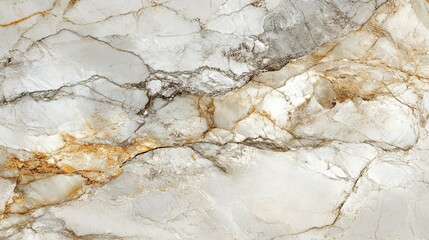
[(214, 119)]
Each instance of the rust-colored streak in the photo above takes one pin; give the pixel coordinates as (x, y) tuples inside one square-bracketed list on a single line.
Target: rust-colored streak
[(68, 169), (107, 159), (42, 13), (13, 163), (22, 19), (37, 164)]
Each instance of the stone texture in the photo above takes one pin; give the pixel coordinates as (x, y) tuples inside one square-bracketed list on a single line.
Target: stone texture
[(214, 119)]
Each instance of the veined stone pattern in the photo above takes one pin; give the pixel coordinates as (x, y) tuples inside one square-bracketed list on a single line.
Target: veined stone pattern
[(214, 119)]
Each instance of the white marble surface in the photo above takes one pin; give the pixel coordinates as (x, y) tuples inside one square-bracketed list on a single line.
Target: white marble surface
[(209, 119)]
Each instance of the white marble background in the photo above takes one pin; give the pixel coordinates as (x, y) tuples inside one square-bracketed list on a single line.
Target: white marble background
[(207, 119)]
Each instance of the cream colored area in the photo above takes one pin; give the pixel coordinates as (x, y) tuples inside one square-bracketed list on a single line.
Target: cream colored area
[(153, 131)]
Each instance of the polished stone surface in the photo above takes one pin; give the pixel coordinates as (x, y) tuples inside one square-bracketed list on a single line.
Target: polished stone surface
[(229, 119)]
